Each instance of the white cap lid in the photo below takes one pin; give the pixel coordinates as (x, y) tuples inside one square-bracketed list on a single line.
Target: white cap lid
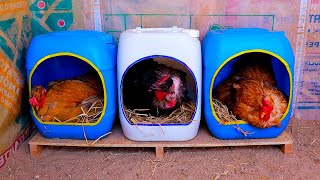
[(192, 32)]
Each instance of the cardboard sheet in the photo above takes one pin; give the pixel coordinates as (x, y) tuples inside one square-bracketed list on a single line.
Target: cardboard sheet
[(308, 95)]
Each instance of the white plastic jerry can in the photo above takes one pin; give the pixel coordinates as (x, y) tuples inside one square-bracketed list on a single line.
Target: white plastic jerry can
[(140, 50)]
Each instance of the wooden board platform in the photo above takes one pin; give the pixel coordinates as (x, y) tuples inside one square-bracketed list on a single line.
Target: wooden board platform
[(203, 139)]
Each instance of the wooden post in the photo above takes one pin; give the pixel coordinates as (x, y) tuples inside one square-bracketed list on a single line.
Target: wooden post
[(159, 152), (35, 150), (287, 148)]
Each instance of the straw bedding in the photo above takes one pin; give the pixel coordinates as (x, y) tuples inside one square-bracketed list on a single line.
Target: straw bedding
[(181, 115)]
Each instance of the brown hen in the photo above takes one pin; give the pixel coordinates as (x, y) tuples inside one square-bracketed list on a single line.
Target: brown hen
[(249, 68), (259, 103), (257, 70), (225, 92), (251, 94), (62, 100)]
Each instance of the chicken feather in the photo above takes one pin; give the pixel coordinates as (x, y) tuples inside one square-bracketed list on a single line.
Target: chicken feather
[(63, 98)]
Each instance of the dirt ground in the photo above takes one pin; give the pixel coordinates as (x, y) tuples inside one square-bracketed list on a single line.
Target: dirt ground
[(255, 162)]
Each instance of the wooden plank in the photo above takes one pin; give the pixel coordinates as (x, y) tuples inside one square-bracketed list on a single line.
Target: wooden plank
[(203, 139), (35, 150), (287, 148), (160, 152)]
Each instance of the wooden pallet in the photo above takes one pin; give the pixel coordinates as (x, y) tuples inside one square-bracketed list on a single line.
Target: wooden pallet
[(203, 139)]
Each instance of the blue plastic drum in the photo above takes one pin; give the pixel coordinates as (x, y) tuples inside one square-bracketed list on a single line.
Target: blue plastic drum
[(68, 54), (221, 49)]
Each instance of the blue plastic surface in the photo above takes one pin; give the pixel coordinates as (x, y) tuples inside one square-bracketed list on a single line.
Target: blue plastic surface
[(227, 46), (58, 53)]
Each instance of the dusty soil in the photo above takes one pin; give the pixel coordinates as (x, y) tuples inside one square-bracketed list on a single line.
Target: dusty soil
[(258, 162)]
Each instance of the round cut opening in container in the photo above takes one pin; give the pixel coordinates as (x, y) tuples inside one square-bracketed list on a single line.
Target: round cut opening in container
[(248, 65), (68, 72), (158, 90)]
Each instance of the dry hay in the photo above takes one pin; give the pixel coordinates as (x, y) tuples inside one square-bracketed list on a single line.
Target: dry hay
[(181, 115), (226, 116), (223, 112), (91, 110)]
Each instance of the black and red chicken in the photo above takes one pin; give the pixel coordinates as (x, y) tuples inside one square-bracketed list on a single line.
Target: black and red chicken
[(153, 86)]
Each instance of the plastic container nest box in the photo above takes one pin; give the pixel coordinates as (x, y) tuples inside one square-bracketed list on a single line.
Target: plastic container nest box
[(174, 47), (222, 49), (66, 55)]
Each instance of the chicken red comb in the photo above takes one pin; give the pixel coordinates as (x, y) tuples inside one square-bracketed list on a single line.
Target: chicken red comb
[(265, 102), (33, 101), (162, 79)]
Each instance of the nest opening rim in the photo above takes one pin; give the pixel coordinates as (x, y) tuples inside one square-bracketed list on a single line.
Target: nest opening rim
[(172, 62)]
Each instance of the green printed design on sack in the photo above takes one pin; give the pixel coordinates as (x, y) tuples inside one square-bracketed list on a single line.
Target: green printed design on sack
[(63, 5), (51, 15), (44, 5), (60, 21), (6, 48), (39, 5), (5, 28), (40, 29)]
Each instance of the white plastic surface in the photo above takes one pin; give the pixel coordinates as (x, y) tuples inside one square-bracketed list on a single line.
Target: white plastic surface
[(178, 43), (191, 32)]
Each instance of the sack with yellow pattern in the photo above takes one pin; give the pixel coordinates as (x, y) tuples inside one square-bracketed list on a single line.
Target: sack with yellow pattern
[(15, 34)]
